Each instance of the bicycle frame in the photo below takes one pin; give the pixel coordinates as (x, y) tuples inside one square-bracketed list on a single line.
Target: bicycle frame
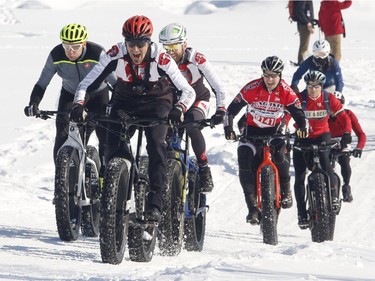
[(74, 140)]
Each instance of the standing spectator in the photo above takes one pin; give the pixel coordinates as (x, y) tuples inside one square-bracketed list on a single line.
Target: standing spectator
[(332, 23), (195, 67), (322, 61), (72, 60), (337, 131), (144, 70), (303, 14)]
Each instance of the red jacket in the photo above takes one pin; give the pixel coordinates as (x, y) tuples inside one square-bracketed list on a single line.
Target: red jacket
[(330, 17), (318, 116), (337, 129)]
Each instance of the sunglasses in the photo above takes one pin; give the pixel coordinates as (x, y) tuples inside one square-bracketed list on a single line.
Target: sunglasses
[(267, 75), (74, 48), (172, 47), (320, 55), (139, 43), (308, 86)]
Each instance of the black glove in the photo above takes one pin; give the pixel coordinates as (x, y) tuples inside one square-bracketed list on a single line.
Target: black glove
[(76, 115), (218, 117), (345, 140), (302, 133), (357, 152), (229, 133), (31, 110), (176, 116)]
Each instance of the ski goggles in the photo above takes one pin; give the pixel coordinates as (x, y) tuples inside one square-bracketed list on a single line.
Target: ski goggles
[(172, 47), (74, 48), (140, 43)]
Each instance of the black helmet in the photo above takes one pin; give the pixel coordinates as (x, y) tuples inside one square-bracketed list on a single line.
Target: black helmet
[(274, 64), (315, 76)]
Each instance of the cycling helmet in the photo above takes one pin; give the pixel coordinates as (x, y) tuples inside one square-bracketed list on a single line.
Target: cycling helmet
[(173, 33), (314, 76), (137, 27), (339, 96), (274, 64), (73, 33), (321, 48)]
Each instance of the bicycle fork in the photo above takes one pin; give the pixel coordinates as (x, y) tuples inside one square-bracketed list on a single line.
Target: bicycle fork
[(267, 161)]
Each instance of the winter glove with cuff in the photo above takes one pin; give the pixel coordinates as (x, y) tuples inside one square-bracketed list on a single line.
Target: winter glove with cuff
[(345, 140), (357, 152), (76, 115), (218, 117), (31, 110), (176, 116)]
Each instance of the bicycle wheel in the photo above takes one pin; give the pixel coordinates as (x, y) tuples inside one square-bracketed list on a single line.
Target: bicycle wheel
[(115, 219), (141, 237), (319, 207), (91, 213), (333, 214), (171, 227), (269, 212), (67, 210), (195, 223)]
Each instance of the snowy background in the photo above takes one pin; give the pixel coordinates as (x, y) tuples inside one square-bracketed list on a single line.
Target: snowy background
[(236, 37)]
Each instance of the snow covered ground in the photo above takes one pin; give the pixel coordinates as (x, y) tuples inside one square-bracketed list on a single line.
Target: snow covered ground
[(236, 37)]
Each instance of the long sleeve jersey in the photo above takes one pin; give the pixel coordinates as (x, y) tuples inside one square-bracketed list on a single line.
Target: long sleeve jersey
[(158, 64), (317, 114), (332, 72), (194, 67), (71, 72), (337, 128), (266, 109)]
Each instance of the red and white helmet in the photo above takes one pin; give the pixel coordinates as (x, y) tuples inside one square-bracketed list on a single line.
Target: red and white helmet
[(137, 27)]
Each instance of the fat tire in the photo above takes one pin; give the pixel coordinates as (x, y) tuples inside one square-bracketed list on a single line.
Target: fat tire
[(91, 213), (171, 227), (269, 213), (67, 210), (195, 226), (114, 218), (141, 237), (319, 208)]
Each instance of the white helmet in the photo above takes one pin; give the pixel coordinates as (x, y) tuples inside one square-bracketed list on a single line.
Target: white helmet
[(321, 49), (173, 33)]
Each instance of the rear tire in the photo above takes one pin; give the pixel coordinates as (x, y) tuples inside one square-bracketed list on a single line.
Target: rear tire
[(91, 213), (141, 237), (114, 218), (67, 210), (195, 224), (171, 227), (269, 214)]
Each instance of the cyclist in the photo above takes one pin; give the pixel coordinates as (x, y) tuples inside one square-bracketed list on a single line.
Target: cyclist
[(318, 105), (142, 90), (337, 130), (195, 67), (72, 60), (266, 98), (323, 61)]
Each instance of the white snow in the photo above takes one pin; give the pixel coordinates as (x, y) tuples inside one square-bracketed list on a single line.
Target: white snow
[(236, 37)]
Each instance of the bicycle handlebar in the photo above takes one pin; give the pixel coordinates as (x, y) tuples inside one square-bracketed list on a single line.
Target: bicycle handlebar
[(323, 146)]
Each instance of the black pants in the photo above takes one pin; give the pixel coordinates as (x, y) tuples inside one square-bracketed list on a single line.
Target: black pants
[(346, 170), (96, 104), (301, 161), (198, 142), (156, 145), (248, 163)]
